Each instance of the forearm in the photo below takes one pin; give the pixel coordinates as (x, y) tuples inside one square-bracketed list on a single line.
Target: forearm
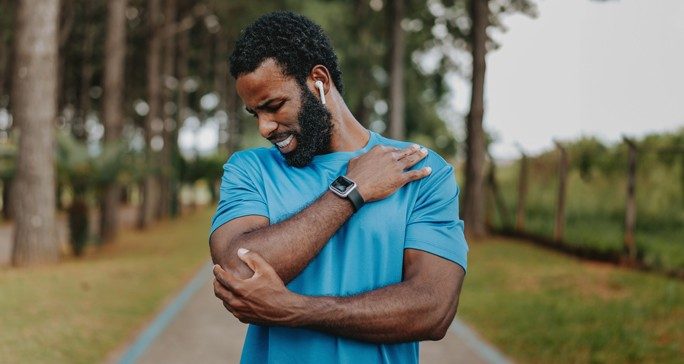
[(401, 312), (290, 244)]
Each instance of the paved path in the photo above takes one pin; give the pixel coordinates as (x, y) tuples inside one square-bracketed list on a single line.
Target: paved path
[(195, 328)]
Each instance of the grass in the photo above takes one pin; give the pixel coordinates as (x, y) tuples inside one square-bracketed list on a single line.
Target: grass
[(540, 306), (81, 309)]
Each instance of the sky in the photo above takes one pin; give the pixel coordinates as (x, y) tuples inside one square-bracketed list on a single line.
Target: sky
[(584, 68)]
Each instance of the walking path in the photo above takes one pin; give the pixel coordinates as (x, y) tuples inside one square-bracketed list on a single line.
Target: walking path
[(195, 328)]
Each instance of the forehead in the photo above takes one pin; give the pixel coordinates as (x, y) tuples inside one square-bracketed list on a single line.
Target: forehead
[(266, 81)]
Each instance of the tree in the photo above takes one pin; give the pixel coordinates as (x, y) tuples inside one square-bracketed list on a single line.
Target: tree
[(482, 13), (114, 63), (396, 83), (474, 192), (34, 100), (153, 119)]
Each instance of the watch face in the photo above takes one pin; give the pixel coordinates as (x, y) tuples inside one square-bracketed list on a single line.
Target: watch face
[(342, 184)]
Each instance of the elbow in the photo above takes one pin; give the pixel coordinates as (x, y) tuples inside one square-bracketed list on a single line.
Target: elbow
[(224, 254), (441, 321)]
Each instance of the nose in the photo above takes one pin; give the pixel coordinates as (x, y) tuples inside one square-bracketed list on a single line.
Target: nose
[(266, 126)]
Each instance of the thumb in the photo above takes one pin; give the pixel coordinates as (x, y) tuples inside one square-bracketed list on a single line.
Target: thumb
[(254, 261)]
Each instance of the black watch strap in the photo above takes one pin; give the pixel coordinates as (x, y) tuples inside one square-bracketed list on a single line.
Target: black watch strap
[(355, 197)]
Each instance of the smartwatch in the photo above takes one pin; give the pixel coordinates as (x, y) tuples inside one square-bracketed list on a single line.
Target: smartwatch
[(346, 188)]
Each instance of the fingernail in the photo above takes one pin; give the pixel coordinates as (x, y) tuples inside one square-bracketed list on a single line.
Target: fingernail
[(415, 146), (242, 251), (428, 169), (423, 150)]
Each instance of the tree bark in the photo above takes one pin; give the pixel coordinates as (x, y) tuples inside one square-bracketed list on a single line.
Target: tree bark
[(630, 205), (114, 66), (474, 198), (87, 70), (559, 224), (35, 108), (221, 85), (396, 83), (6, 55), (166, 176), (522, 194), (150, 189)]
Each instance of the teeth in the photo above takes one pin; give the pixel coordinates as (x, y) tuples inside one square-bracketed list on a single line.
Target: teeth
[(285, 142)]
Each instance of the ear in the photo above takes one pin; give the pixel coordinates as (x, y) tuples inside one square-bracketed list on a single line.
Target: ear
[(319, 73)]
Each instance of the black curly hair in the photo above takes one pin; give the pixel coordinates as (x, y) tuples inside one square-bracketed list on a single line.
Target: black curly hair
[(295, 42)]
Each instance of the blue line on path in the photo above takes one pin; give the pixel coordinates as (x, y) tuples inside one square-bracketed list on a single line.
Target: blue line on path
[(147, 337), (485, 350)]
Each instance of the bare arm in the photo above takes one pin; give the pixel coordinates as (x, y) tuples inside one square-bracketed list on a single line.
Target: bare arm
[(288, 246), (421, 307)]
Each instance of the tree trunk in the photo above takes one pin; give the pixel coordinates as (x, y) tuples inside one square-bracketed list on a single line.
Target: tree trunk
[(396, 83), (66, 23), (522, 195), (630, 205), (4, 57), (35, 108), (114, 65), (153, 120), (166, 175), (6, 54), (181, 101), (474, 198), (87, 70), (559, 223), (221, 86)]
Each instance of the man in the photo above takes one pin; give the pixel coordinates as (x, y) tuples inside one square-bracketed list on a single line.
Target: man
[(337, 245)]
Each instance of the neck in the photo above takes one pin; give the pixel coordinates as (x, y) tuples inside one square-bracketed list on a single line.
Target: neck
[(348, 133)]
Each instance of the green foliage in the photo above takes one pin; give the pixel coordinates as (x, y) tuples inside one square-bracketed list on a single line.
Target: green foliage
[(84, 170)]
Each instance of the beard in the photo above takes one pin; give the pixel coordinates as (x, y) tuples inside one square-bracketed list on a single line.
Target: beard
[(315, 131)]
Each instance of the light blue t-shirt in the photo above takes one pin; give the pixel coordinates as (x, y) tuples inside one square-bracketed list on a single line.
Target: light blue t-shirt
[(366, 253)]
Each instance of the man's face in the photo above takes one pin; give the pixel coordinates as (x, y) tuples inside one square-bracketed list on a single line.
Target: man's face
[(288, 113)]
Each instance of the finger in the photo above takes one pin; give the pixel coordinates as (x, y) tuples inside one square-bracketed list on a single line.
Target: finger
[(412, 159), (411, 150), (221, 292), (416, 174), (225, 277), (255, 262)]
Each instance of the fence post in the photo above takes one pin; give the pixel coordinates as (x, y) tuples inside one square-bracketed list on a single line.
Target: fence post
[(630, 205), (522, 193), (496, 194), (559, 226)]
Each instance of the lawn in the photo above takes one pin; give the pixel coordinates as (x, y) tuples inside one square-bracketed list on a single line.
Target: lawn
[(81, 309), (540, 306)]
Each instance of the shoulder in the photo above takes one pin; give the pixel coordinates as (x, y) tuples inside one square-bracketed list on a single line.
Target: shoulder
[(251, 157), (433, 159)]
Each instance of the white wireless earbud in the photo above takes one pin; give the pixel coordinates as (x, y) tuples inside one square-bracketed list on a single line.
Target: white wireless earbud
[(319, 84)]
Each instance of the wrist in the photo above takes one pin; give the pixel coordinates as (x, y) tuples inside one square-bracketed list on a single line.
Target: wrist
[(300, 313), (346, 188)]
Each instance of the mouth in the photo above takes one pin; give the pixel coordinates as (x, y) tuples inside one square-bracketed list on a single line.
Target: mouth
[(283, 144)]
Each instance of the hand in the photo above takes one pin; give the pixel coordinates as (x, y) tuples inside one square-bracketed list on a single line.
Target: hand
[(261, 299), (382, 170)]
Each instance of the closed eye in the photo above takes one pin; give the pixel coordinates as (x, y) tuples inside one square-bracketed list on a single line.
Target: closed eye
[(274, 108)]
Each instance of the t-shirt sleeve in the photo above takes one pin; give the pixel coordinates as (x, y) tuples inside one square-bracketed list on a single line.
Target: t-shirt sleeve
[(433, 224), (241, 193)]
